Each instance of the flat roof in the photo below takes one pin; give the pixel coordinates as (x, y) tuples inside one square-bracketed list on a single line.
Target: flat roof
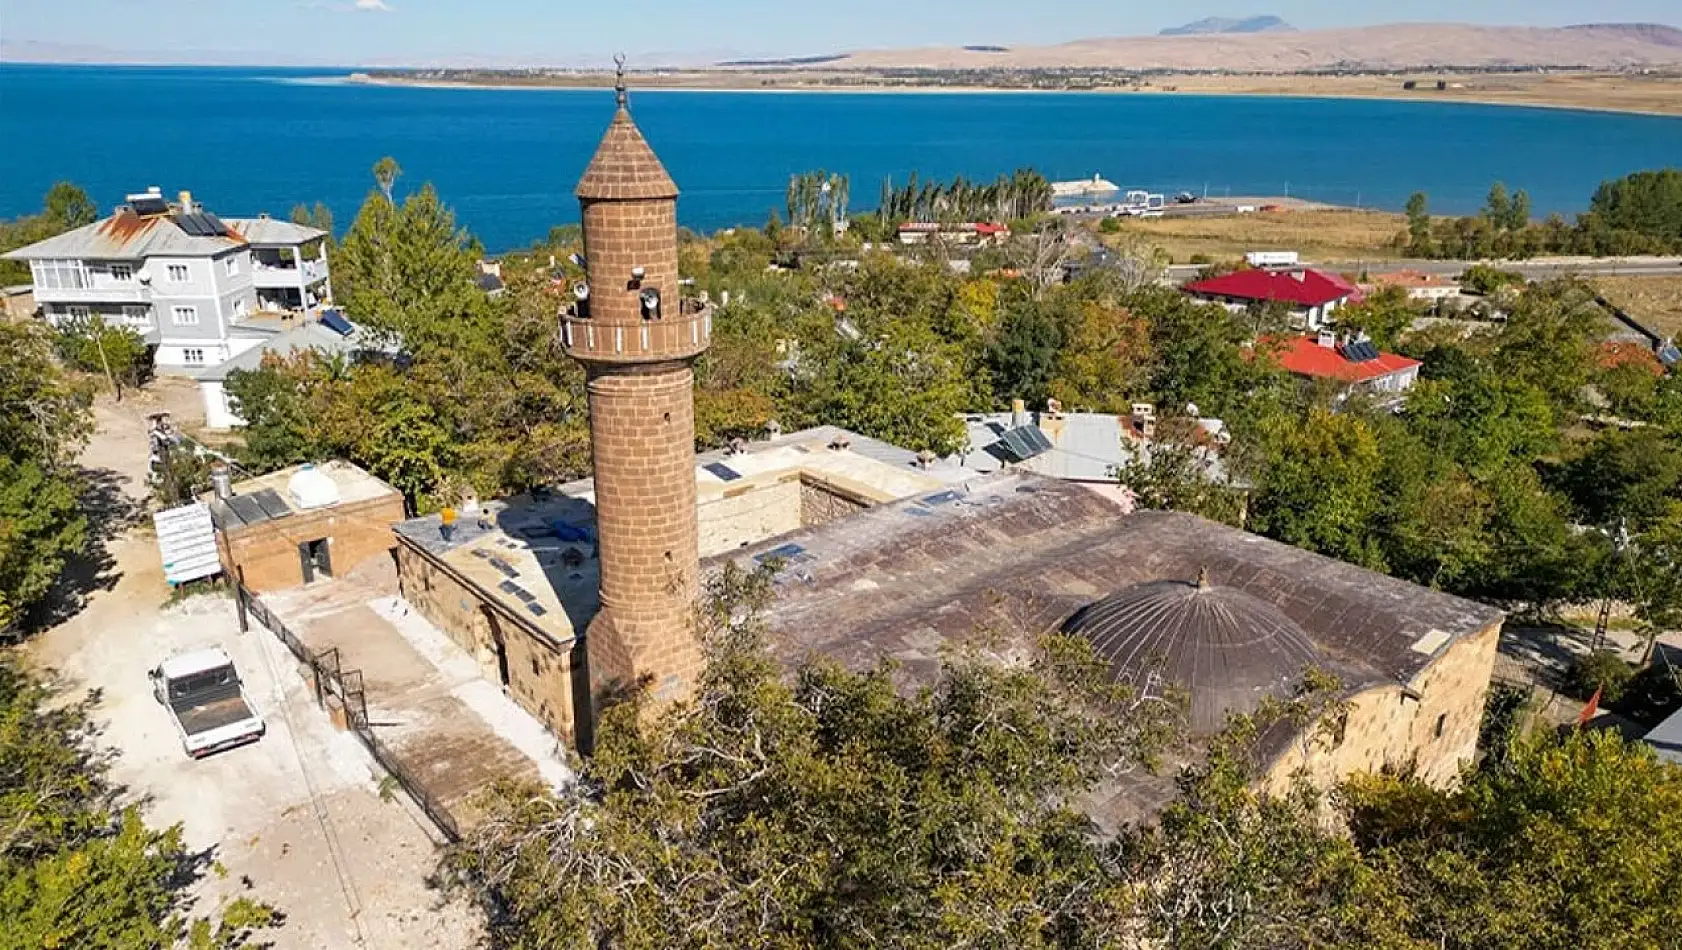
[(539, 548), (266, 498)]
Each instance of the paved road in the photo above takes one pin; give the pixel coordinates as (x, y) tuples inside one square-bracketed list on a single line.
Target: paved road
[(1534, 269)]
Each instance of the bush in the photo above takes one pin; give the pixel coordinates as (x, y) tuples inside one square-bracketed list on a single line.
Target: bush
[(1110, 226), (1652, 694), (1603, 670), (94, 346)]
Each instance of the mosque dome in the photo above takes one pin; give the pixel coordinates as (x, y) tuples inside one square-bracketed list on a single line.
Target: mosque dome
[(1228, 649)]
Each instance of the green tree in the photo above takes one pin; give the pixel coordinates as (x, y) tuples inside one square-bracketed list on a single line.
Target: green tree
[(95, 345), (1498, 207), (67, 207), (77, 869), (1647, 203), (1384, 316), (1419, 226), (1319, 487), (1567, 843), (827, 808), (1024, 356), (317, 216)]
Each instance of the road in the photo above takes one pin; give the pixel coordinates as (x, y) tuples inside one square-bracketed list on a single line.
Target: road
[(1539, 268)]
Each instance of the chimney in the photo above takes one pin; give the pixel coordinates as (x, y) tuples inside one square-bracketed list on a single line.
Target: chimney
[(1054, 407), (186, 198), (926, 459), (1327, 339), (1144, 419), (840, 443), (1018, 413), (738, 445), (222, 481), (773, 430)]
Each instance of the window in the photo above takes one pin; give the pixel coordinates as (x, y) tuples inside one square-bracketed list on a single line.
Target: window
[(122, 272), (178, 273), (59, 275), (184, 316), (135, 314), (79, 313), (241, 306), (1442, 723), (230, 265), (193, 356)]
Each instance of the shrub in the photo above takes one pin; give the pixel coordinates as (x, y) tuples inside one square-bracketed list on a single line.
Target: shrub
[(1603, 670), (1110, 226)]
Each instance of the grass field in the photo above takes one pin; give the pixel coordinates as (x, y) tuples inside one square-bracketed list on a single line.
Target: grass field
[(1655, 301), (1340, 235)]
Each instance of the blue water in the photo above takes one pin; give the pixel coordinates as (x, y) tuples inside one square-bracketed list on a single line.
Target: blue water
[(250, 140)]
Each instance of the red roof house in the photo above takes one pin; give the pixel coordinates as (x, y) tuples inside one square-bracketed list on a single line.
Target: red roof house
[(1311, 293), (1356, 363)]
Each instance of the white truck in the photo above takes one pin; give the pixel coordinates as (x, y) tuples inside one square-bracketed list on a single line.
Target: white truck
[(1272, 259), (1140, 204), (204, 696)]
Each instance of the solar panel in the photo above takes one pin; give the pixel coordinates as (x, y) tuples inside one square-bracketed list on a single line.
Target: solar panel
[(335, 321), (723, 471), (504, 567), (149, 206), (1360, 351), (508, 587), (786, 552), (272, 504), (247, 508), (214, 224), (942, 498), (1020, 444)]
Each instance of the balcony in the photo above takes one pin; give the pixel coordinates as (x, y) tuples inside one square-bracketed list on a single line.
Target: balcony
[(285, 274), (681, 336)]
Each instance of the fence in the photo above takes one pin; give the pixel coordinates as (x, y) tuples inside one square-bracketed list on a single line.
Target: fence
[(344, 686)]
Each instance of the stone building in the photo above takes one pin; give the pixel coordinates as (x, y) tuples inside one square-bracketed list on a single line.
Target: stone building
[(515, 583), (302, 523), (568, 594)]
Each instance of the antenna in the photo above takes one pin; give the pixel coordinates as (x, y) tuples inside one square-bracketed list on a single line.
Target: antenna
[(619, 81)]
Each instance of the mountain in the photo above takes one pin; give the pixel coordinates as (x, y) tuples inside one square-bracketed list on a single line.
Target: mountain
[(1266, 23), (1390, 47)]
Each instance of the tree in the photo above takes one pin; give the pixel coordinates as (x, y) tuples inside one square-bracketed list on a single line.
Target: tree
[(1518, 211), (1498, 208), (386, 173), (1566, 843), (1647, 203), (78, 869), (1319, 487), (1023, 357), (1384, 316), (1177, 473), (317, 216), (67, 207), (826, 808), (1419, 226), (95, 345)]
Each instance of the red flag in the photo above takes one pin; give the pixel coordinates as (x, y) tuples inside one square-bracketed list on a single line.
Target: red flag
[(1590, 710)]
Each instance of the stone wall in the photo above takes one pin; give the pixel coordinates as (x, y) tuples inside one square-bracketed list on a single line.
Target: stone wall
[(268, 552), (1436, 733), (750, 514), (821, 503), (535, 674)]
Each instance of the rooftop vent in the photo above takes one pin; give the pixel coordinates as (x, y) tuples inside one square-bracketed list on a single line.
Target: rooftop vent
[(310, 487)]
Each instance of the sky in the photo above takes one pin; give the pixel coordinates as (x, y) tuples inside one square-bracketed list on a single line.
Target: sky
[(349, 32)]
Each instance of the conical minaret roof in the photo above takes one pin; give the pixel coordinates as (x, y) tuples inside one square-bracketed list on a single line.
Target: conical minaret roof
[(625, 168)]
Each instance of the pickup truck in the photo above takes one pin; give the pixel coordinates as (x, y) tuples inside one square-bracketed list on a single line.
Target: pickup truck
[(204, 697)]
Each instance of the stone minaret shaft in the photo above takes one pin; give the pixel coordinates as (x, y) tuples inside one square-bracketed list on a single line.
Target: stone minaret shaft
[(638, 344)]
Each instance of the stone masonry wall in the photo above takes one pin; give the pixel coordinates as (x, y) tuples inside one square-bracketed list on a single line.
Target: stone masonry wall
[(619, 236), (821, 505), (1437, 733), (539, 678), (268, 552), (642, 431)]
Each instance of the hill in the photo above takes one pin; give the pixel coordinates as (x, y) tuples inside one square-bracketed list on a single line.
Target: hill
[(1389, 47), (1266, 23)]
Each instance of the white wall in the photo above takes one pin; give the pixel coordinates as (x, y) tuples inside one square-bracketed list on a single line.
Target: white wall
[(218, 414)]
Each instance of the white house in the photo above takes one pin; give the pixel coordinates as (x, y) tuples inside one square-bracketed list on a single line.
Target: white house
[(190, 283)]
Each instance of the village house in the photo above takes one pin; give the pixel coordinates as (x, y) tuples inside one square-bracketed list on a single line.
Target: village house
[(1418, 285), (972, 234), (1353, 363), (1312, 296), (188, 282)]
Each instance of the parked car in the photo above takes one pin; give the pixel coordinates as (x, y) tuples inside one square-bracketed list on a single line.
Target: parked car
[(1186, 198), (203, 693)]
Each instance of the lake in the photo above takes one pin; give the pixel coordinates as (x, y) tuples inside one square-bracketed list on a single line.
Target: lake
[(251, 140)]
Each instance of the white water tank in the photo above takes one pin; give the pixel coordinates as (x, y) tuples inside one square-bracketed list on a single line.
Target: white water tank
[(310, 487)]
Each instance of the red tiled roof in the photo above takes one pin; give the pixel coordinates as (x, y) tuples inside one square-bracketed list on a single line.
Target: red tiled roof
[(1304, 356), (1616, 353), (1311, 290), (1411, 279)]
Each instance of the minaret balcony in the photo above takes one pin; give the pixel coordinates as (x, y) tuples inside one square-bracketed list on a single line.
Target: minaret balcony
[(675, 337)]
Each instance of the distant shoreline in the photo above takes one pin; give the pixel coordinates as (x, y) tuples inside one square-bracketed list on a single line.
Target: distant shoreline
[(654, 84)]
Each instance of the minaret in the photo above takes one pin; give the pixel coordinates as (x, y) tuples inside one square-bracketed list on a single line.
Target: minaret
[(638, 342)]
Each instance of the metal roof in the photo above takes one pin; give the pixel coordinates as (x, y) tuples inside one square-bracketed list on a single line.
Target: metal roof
[(274, 231), (128, 236), (198, 661), (310, 336)]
